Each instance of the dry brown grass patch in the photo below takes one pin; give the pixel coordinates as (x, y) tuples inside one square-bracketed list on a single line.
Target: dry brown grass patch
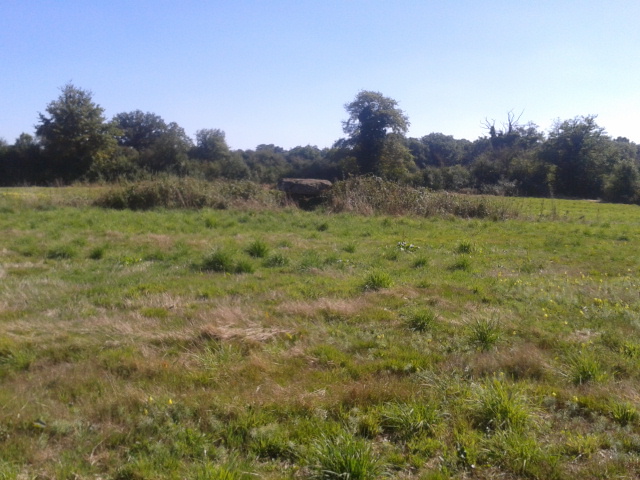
[(325, 307)]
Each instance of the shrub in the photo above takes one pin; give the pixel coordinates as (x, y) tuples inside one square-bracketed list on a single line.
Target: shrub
[(176, 192), (368, 195)]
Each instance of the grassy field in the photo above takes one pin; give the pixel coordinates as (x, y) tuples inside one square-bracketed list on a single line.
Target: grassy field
[(277, 343)]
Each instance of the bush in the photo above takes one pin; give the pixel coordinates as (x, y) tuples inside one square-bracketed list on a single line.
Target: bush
[(175, 192), (372, 195)]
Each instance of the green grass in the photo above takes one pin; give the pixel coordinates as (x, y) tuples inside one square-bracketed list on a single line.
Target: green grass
[(247, 339)]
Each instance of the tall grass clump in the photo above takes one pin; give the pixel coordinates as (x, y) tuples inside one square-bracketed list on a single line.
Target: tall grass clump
[(258, 249), (421, 320), (223, 261), (484, 334), (377, 280), (584, 368), (500, 406), (344, 457), (372, 195)]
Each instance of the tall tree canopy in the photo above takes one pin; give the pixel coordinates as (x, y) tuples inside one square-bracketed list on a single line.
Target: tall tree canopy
[(376, 129), (578, 149), (74, 134), (160, 146)]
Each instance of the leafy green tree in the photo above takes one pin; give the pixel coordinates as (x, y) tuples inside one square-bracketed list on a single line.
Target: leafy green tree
[(160, 147), (211, 145), (376, 129), (444, 150), (213, 159), (623, 184), (580, 151), (139, 130), (74, 134)]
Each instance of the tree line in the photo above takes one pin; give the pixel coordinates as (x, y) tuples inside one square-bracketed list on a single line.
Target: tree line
[(74, 141)]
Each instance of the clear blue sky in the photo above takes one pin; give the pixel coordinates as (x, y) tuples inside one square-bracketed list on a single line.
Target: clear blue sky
[(281, 71)]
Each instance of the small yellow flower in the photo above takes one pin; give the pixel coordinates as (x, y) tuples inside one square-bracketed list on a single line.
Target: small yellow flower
[(150, 399), (170, 402), (553, 394)]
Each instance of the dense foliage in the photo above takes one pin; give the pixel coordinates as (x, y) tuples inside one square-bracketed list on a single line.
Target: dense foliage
[(576, 158)]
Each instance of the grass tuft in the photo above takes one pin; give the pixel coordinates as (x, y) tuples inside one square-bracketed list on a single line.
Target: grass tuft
[(500, 406), (258, 249), (377, 280), (483, 334), (343, 457)]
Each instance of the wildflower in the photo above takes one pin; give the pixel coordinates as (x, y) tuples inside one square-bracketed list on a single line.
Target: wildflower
[(170, 402)]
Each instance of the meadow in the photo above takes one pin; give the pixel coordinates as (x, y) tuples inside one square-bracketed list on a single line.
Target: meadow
[(260, 340)]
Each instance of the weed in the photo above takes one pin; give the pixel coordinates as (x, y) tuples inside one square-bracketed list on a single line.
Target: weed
[(421, 320), (483, 334), (500, 406), (462, 264), (223, 261), (219, 261), (243, 266), (624, 413), (323, 227), (519, 453), (420, 262), (344, 457), (584, 367), (97, 253), (377, 280), (61, 252), (258, 249), (464, 247), (276, 260), (408, 420), (350, 247)]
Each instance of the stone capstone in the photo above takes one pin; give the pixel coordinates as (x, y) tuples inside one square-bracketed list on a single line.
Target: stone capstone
[(304, 186)]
